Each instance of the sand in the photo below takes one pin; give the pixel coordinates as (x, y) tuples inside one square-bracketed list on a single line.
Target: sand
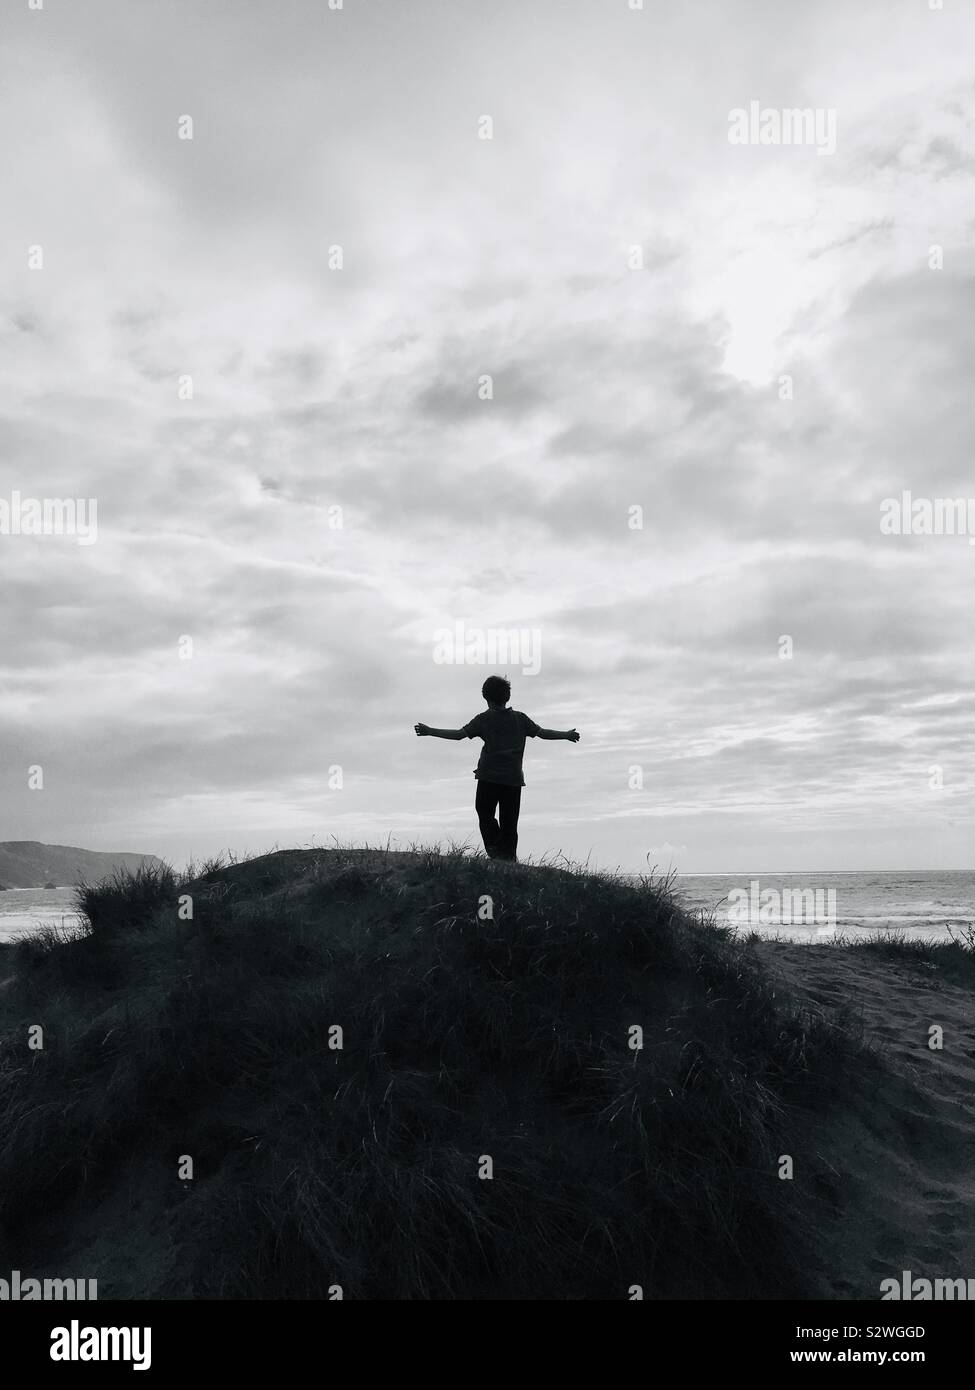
[(904, 1155)]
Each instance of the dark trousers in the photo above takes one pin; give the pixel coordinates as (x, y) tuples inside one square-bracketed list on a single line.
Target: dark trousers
[(500, 841)]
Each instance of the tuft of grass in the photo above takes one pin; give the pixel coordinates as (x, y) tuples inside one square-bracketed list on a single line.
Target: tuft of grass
[(486, 1012), (126, 899), (952, 960)]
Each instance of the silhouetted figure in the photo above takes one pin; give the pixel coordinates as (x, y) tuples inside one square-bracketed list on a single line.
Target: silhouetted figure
[(499, 771)]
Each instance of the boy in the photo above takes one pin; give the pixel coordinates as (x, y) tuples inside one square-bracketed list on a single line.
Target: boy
[(498, 772)]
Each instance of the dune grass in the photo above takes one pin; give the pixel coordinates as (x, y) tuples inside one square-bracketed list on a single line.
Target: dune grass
[(486, 1014), (952, 960)]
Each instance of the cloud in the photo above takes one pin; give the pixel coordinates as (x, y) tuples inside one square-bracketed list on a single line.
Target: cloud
[(331, 489)]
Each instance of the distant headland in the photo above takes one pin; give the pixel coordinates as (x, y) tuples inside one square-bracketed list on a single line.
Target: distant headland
[(31, 864)]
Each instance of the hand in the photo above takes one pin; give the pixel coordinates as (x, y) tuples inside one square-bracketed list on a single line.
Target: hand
[(421, 729), (573, 736)]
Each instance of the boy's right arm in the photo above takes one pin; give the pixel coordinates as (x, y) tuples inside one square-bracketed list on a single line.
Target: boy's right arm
[(424, 731), (571, 734)]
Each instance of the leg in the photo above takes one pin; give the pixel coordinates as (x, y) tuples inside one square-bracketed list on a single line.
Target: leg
[(510, 805), (485, 803)]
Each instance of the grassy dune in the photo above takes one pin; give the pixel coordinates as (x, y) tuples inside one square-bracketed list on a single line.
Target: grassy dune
[(467, 1035)]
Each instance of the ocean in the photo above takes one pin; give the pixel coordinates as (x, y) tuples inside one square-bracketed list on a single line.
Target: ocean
[(24, 911), (919, 904), (811, 906)]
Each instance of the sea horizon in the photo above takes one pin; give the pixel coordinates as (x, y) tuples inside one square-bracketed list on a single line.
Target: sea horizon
[(918, 903)]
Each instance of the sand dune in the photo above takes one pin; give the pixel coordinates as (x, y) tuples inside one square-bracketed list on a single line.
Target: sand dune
[(905, 1158), (437, 1001)]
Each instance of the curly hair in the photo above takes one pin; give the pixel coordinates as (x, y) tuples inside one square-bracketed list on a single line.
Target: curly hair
[(497, 689)]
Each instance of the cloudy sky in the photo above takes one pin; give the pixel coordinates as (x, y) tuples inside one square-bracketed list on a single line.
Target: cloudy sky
[(296, 464)]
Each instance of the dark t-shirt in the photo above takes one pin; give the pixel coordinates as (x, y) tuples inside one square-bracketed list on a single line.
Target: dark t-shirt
[(504, 732)]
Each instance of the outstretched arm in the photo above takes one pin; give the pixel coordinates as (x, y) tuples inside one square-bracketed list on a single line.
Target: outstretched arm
[(571, 734), (424, 731)]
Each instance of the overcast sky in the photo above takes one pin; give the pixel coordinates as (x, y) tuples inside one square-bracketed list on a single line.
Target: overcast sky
[(316, 388)]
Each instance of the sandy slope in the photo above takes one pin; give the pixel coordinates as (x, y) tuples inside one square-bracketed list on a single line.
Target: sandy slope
[(905, 1159)]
